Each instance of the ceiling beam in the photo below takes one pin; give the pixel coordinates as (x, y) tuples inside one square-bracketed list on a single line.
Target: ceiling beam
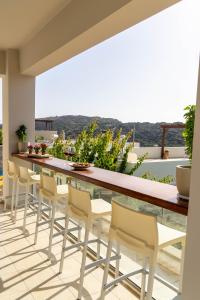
[(81, 25)]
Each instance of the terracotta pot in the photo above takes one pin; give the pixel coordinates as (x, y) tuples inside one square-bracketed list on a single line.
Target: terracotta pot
[(183, 174), (22, 147), (166, 154)]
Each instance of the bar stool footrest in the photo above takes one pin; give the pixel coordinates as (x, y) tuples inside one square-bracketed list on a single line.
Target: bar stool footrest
[(122, 277), (79, 244), (69, 230), (43, 222), (169, 285), (101, 261)]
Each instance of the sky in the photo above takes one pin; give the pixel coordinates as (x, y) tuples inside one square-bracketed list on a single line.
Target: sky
[(145, 73)]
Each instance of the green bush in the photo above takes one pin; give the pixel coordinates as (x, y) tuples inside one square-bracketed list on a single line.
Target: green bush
[(58, 149), (188, 133), (166, 179), (105, 150), (102, 149)]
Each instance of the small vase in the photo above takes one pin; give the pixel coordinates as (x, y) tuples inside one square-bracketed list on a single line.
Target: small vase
[(166, 154), (43, 152), (30, 151)]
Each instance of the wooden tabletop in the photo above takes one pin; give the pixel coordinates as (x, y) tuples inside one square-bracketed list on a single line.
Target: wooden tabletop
[(160, 194)]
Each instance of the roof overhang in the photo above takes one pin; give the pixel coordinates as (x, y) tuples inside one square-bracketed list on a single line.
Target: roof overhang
[(80, 25)]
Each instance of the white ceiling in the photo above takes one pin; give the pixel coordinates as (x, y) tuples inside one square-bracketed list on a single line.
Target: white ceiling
[(20, 20)]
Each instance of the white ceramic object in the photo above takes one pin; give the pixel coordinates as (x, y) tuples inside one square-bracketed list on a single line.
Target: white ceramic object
[(22, 147), (183, 174)]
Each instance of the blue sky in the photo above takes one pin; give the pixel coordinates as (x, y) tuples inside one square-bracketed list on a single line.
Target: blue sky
[(146, 73)]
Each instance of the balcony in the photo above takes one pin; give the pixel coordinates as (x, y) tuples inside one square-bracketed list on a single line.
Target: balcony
[(30, 264), (27, 274), (30, 48)]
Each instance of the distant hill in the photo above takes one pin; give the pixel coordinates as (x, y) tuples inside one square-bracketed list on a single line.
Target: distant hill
[(148, 134)]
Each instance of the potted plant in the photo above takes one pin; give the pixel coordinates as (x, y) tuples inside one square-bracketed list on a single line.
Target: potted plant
[(21, 133), (43, 148), (37, 148), (166, 154), (183, 173), (30, 149)]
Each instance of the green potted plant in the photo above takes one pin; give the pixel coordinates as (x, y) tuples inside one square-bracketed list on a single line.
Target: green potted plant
[(37, 148), (183, 173), (30, 149), (43, 148), (21, 133)]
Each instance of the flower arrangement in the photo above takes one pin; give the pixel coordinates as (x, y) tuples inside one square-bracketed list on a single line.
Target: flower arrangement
[(37, 148), (43, 148), (30, 149)]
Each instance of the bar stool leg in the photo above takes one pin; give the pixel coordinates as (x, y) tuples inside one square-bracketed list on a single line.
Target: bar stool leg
[(152, 267), (98, 237), (16, 201), (105, 275), (117, 261), (50, 213), (13, 196), (38, 219), (51, 229), (79, 234), (5, 203), (84, 255), (181, 267), (64, 243), (143, 284), (40, 210), (25, 208)]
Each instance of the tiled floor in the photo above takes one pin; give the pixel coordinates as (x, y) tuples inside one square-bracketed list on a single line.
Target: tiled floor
[(26, 273)]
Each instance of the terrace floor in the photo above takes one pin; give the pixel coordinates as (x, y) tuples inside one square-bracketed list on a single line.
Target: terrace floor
[(26, 273)]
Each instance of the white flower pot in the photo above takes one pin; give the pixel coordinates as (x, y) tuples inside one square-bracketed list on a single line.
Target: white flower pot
[(183, 174), (22, 147)]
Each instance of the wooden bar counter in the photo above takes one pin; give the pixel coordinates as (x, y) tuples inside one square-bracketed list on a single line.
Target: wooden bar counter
[(160, 194)]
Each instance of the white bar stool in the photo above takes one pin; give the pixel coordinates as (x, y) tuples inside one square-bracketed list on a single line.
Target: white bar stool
[(50, 191), (84, 209), (12, 175), (141, 233), (26, 178)]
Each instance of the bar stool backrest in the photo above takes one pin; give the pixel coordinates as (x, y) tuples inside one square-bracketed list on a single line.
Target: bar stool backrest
[(12, 172), (24, 175), (48, 184), (136, 230), (79, 203)]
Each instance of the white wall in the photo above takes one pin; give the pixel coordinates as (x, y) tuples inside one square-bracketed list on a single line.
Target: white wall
[(191, 278), (155, 152), (159, 167), (18, 107), (48, 135)]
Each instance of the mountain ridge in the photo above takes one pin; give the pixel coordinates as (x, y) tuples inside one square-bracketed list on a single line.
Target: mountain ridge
[(146, 133)]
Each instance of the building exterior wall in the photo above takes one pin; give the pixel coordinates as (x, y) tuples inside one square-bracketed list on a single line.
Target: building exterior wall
[(48, 135), (155, 152)]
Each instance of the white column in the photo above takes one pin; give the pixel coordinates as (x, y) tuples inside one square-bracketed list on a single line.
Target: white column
[(191, 278), (18, 107)]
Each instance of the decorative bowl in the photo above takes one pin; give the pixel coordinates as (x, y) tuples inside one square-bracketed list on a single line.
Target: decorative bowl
[(79, 166)]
